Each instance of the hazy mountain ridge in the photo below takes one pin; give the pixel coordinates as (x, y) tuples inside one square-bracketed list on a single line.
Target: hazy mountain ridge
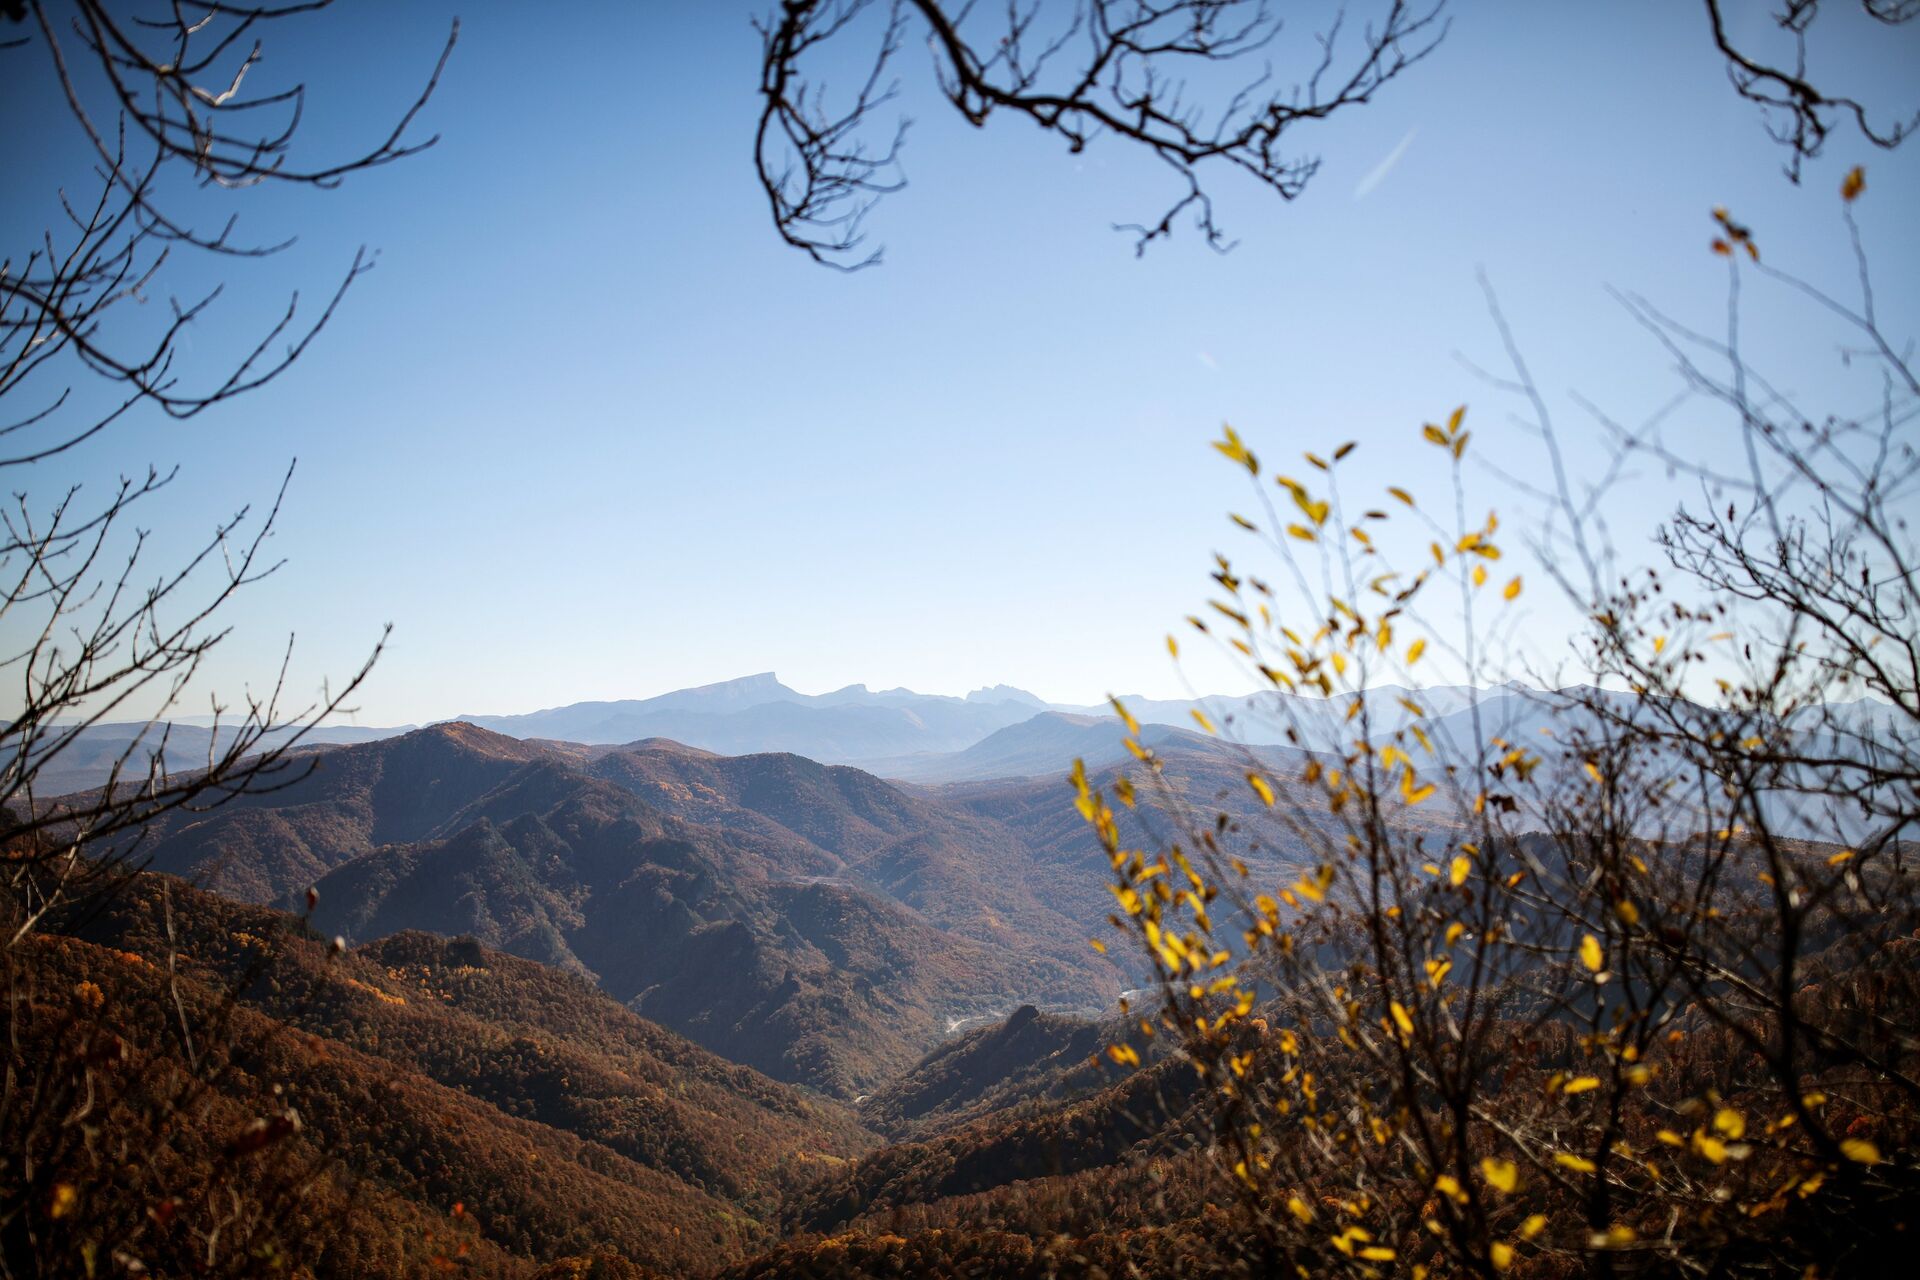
[(1046, 743), (757, 714), (912, 736), (90, 757)]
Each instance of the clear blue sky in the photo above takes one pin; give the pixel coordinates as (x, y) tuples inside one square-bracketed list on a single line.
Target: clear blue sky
[(591, 431)]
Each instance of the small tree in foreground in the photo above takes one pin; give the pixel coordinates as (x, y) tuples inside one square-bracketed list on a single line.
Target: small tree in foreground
[(103, 1144), (1622, 978), (168, 112)]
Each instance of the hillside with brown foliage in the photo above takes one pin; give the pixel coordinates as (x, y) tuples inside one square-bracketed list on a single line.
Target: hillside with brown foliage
[(440, 1093), (1031, 1057)]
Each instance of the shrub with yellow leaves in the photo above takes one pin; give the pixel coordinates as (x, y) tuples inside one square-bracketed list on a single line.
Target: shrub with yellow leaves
[(1568, 977)]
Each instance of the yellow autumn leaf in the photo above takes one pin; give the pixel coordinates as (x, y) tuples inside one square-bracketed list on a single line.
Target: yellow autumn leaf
[(1860, 1151), (1200, 718), (1513, 588), (1314, 888), (1123, 1054), (1591, 955), (1730, 1122), (1501, 1175), (1579, 1164), (1261, 789), (1854, 184), (1457, 871), (1401, 1018), (1580, 1084), (1500, 1254), (1232, 448), (1401, 494), (1533, 1226), (1119, 709)]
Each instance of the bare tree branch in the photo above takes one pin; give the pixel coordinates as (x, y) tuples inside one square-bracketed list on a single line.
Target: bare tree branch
[(1141, 72), (1800, 115)]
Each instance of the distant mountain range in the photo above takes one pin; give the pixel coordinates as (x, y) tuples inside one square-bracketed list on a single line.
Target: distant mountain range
[(812, 921), (1037, 746), (89, 758), (996, 732), (893, 732), (758, 713)]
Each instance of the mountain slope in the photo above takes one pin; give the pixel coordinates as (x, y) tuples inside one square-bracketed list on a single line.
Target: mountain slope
[(1030, 1059), (960, 869), (1045, 745), (334, 805), (835, 953), (91, 755), (449, 1080)]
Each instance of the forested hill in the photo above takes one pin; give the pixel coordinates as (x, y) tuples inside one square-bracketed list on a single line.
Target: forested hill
[(810, 920), (463, 1099)]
